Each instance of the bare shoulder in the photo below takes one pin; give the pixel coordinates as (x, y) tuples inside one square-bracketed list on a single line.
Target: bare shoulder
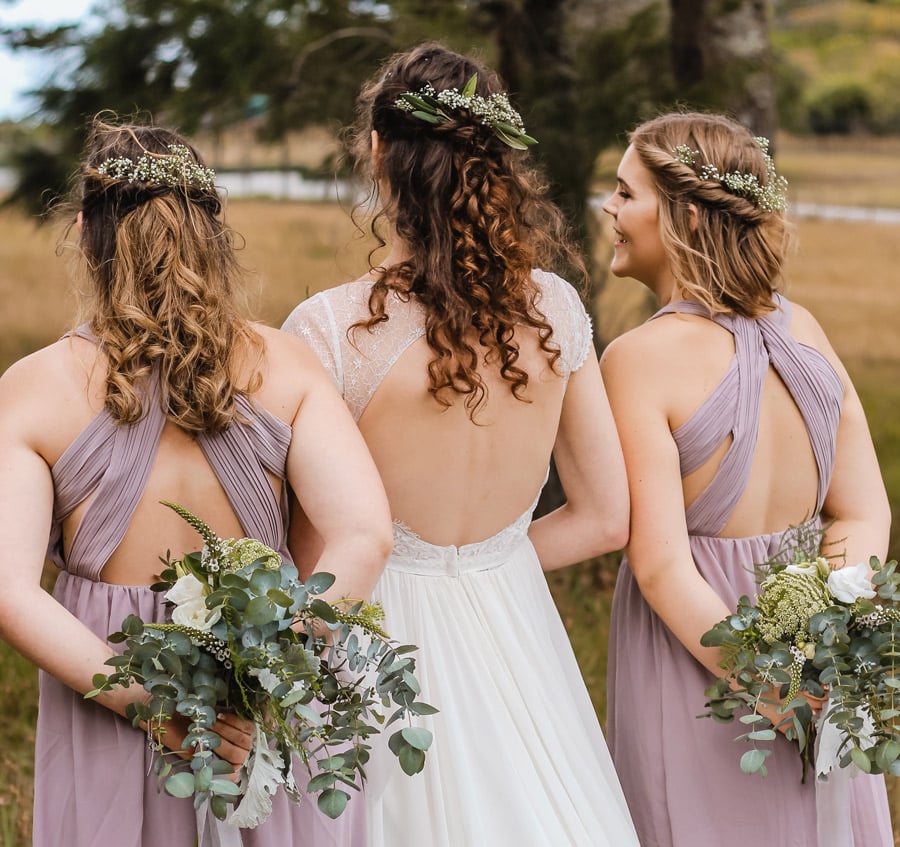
[(50, 390), (59, 369), (651, 349), (285, 351), (809, 332), (290, 370), (805, 328)]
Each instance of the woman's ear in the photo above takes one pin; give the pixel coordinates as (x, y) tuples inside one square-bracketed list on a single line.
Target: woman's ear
[(376, 154), (79, 221), (692, 214)]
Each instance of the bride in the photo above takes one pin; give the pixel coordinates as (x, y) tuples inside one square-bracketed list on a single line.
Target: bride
[(466, 369)]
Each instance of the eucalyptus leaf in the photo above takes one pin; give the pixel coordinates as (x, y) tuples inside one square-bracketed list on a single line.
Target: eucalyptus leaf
[(417, 737), (332, 802), (753, 760), (320, 582), (180, 784)]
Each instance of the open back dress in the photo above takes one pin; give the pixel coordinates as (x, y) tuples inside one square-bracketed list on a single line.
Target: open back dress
[(518, 758), (94, 784), (681, 774)]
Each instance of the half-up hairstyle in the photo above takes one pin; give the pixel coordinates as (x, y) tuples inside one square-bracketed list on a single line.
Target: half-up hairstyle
[(474, 215), (162, 278), (730, 256)]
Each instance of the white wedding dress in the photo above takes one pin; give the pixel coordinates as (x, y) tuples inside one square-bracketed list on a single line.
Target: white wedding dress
[(518, 758)]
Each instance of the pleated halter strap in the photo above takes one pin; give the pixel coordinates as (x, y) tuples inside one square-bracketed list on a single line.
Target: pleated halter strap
[(733, 408), (110, 463)]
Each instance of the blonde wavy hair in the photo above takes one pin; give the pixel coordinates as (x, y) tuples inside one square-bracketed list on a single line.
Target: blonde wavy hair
[(725, 251), (161, 286), (475, 216)]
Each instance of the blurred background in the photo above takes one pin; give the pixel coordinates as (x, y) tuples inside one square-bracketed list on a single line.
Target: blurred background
[(265, 86)]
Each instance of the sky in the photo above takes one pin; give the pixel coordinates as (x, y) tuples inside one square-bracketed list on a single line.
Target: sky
[(20, 71)]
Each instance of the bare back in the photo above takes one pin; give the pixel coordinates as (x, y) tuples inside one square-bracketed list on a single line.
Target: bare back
[(449, 479)]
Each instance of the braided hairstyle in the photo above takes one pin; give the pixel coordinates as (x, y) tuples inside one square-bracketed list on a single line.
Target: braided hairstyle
[(474, 216), (161, 281), (725, 249)]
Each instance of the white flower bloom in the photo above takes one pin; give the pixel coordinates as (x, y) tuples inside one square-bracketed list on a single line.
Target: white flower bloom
[(193, 613), (185, 589), (850, 583), (809, 568)]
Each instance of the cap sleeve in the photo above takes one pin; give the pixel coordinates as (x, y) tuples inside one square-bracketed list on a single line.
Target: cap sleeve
[(313, 320), (572, 331)]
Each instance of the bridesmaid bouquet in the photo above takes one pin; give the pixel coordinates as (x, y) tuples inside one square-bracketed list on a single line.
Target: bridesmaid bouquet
[(833, 633), (245, 636)]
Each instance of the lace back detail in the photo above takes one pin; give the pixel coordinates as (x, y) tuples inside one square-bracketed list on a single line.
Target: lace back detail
[(358, 360)]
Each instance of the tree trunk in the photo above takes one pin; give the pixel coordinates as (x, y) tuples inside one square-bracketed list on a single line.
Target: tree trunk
[(721, 58)]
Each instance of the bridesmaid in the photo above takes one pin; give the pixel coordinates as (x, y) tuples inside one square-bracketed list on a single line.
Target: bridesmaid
[(737, 421), (164, 393)]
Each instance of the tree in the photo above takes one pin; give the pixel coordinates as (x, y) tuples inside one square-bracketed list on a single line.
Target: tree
[(195, 64), (722, 58)]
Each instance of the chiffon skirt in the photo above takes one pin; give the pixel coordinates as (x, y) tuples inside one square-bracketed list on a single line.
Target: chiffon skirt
[(94, 784), (681, 774), (518, 756)]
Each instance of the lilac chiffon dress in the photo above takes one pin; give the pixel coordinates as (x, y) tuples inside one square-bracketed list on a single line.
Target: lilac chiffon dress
[(94, 786), (681, 774)]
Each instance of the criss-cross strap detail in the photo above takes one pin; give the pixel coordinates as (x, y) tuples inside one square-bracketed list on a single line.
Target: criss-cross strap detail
[(733, 409), (245, 482), (816, 387), (110, 463)]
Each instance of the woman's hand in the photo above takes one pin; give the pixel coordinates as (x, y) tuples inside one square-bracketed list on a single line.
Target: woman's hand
[(237, 740), (771, 709), (236, 734)]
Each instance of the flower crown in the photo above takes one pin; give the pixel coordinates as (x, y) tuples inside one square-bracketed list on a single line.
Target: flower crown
[(177, 170), (495, 112), (771, 197)]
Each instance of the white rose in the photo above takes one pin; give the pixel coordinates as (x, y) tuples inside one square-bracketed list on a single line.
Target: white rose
[(193, 613), (185, 589), (850, 583)]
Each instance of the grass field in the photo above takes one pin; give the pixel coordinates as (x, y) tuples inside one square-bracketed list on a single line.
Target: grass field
[(845, 273)]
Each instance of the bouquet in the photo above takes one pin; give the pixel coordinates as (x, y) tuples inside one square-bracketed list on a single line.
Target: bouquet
[(817, 630), (248, 637)]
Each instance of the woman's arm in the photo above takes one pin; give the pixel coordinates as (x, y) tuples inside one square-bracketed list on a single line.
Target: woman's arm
[(658, 548), (856, 503), (340, 493), (594, 518)]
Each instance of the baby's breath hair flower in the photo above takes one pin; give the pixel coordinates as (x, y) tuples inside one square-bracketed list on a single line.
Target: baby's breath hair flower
[(771, 197), (495, 111), (178, 169)]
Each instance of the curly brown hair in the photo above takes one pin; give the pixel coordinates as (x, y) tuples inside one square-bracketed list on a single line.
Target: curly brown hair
[(730, 256), (475, 217), (162, 285)]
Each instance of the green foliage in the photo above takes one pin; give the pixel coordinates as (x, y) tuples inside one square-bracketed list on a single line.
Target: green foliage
[(247, 636), (839, 63), (841, 110)]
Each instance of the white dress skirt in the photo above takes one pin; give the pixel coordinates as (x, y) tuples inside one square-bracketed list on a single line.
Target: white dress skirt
[(518, 758)]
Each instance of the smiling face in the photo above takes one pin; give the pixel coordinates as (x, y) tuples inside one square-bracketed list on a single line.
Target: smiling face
[(639, 250)]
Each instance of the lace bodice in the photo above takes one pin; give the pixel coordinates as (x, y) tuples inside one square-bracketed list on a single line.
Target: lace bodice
[(360, 362)]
